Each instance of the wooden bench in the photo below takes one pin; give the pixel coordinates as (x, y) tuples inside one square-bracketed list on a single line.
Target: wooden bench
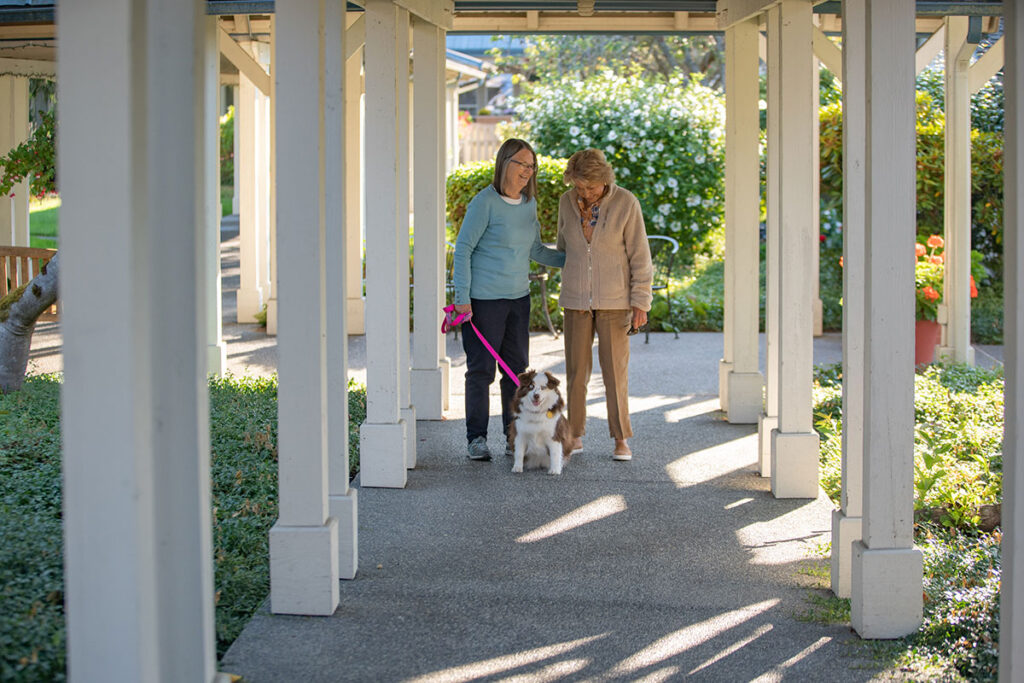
[(18, 265)]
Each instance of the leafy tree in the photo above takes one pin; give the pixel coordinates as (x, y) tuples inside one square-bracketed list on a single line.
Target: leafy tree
[(548, 58)]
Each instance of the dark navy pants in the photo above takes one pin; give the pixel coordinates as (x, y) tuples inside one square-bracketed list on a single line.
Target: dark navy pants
[(505, 324)]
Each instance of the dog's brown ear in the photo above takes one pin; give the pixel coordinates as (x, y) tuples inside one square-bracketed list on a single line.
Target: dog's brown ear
[(526, 376), (552, 380)]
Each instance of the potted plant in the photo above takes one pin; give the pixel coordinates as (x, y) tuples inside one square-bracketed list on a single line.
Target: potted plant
[(928, 280)]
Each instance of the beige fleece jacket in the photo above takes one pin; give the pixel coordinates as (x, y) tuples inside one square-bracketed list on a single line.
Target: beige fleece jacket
[(614, 270)]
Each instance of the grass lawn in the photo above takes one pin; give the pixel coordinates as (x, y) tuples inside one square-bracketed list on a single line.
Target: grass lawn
[(43, 219)]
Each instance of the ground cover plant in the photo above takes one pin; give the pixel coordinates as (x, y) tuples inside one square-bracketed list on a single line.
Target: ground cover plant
[(243, 449), (958, 484)]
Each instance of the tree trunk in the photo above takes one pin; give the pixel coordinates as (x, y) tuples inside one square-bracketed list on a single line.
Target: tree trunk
[(18, 315)]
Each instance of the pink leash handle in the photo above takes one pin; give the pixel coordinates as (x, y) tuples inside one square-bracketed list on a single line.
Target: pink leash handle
[(451, 321)]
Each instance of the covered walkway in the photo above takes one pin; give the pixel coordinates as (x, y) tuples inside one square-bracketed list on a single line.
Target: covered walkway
[(678, 562)]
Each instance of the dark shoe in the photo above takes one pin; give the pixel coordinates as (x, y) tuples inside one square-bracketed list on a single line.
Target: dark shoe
[(478, 449)]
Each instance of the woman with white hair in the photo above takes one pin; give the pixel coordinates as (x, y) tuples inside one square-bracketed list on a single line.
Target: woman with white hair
[(606, 289)]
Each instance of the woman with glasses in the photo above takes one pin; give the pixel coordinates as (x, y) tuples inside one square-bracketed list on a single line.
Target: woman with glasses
[(499, 236), (606, 288)]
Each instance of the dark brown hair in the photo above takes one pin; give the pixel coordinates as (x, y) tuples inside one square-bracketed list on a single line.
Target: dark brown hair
[(509, 149)]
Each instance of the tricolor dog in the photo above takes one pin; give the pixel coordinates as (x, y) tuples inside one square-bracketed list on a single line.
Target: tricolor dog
[(539, 432)]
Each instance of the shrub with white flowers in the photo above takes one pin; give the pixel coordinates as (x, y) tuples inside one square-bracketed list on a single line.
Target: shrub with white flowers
[(665, 140)]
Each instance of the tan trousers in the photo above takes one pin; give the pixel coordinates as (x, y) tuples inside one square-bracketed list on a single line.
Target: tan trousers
[(612, 353)]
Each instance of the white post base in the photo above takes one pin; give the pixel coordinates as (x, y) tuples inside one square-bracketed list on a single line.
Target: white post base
[(382, 455), (819, 316), (845, 531), (345, 509), (409, 418), (446, 373), (886, 584), (272, 317), (248, 302), (948, 354), (795, 464), (355, 315), (304, 569), (216, 359), (766, 424), (427, 388), (746, 397), (724, 369)]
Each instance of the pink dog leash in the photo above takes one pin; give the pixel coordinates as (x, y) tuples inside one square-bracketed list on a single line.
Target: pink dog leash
[(450, 322)]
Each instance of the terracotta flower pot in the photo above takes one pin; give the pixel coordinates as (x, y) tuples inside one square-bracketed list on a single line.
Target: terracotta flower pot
[(926, 337)]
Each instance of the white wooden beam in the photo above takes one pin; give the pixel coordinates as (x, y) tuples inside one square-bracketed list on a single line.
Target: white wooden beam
[(551, 22), (137, 551), (730, 12), (1011, 604), (795, 443), (930, 50), (243, 61), (355, 34), (29, 68), (428, 206), (829, 53), (743, 383), (382, 441), (437, 12), (304, 539), (886, 572), (846, 521), (987, 66), (955, 310)]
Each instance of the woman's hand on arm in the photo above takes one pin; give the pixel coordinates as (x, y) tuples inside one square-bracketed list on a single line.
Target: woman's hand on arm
[(464, 308)]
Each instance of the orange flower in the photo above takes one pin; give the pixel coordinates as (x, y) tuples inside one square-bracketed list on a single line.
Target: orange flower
[(974, 289), (935, 242), (840, 261), (930, 293), (936, 259), (920, 250)]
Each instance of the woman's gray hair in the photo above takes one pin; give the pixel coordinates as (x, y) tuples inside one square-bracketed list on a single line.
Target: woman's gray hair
[(509, 149), (589, 166)]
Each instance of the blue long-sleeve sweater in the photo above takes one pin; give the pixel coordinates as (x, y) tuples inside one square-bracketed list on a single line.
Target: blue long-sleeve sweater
[(494, 248)]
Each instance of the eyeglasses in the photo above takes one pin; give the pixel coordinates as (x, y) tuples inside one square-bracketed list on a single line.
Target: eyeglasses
[(529, 167)]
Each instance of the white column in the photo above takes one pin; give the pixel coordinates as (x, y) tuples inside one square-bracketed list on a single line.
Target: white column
[(304, 548), (817, 312), (769, 419), (208, 122), (846, 521), (234, 151), (743, 383), (138, 560), (955, 309), (251, 250), (402, 101), (887, 569), (382, 441), (272, 195), (14, 130), (1011, 599), (427, 375), (794, 442), (355, 305), (453, 126), (343, 500)]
